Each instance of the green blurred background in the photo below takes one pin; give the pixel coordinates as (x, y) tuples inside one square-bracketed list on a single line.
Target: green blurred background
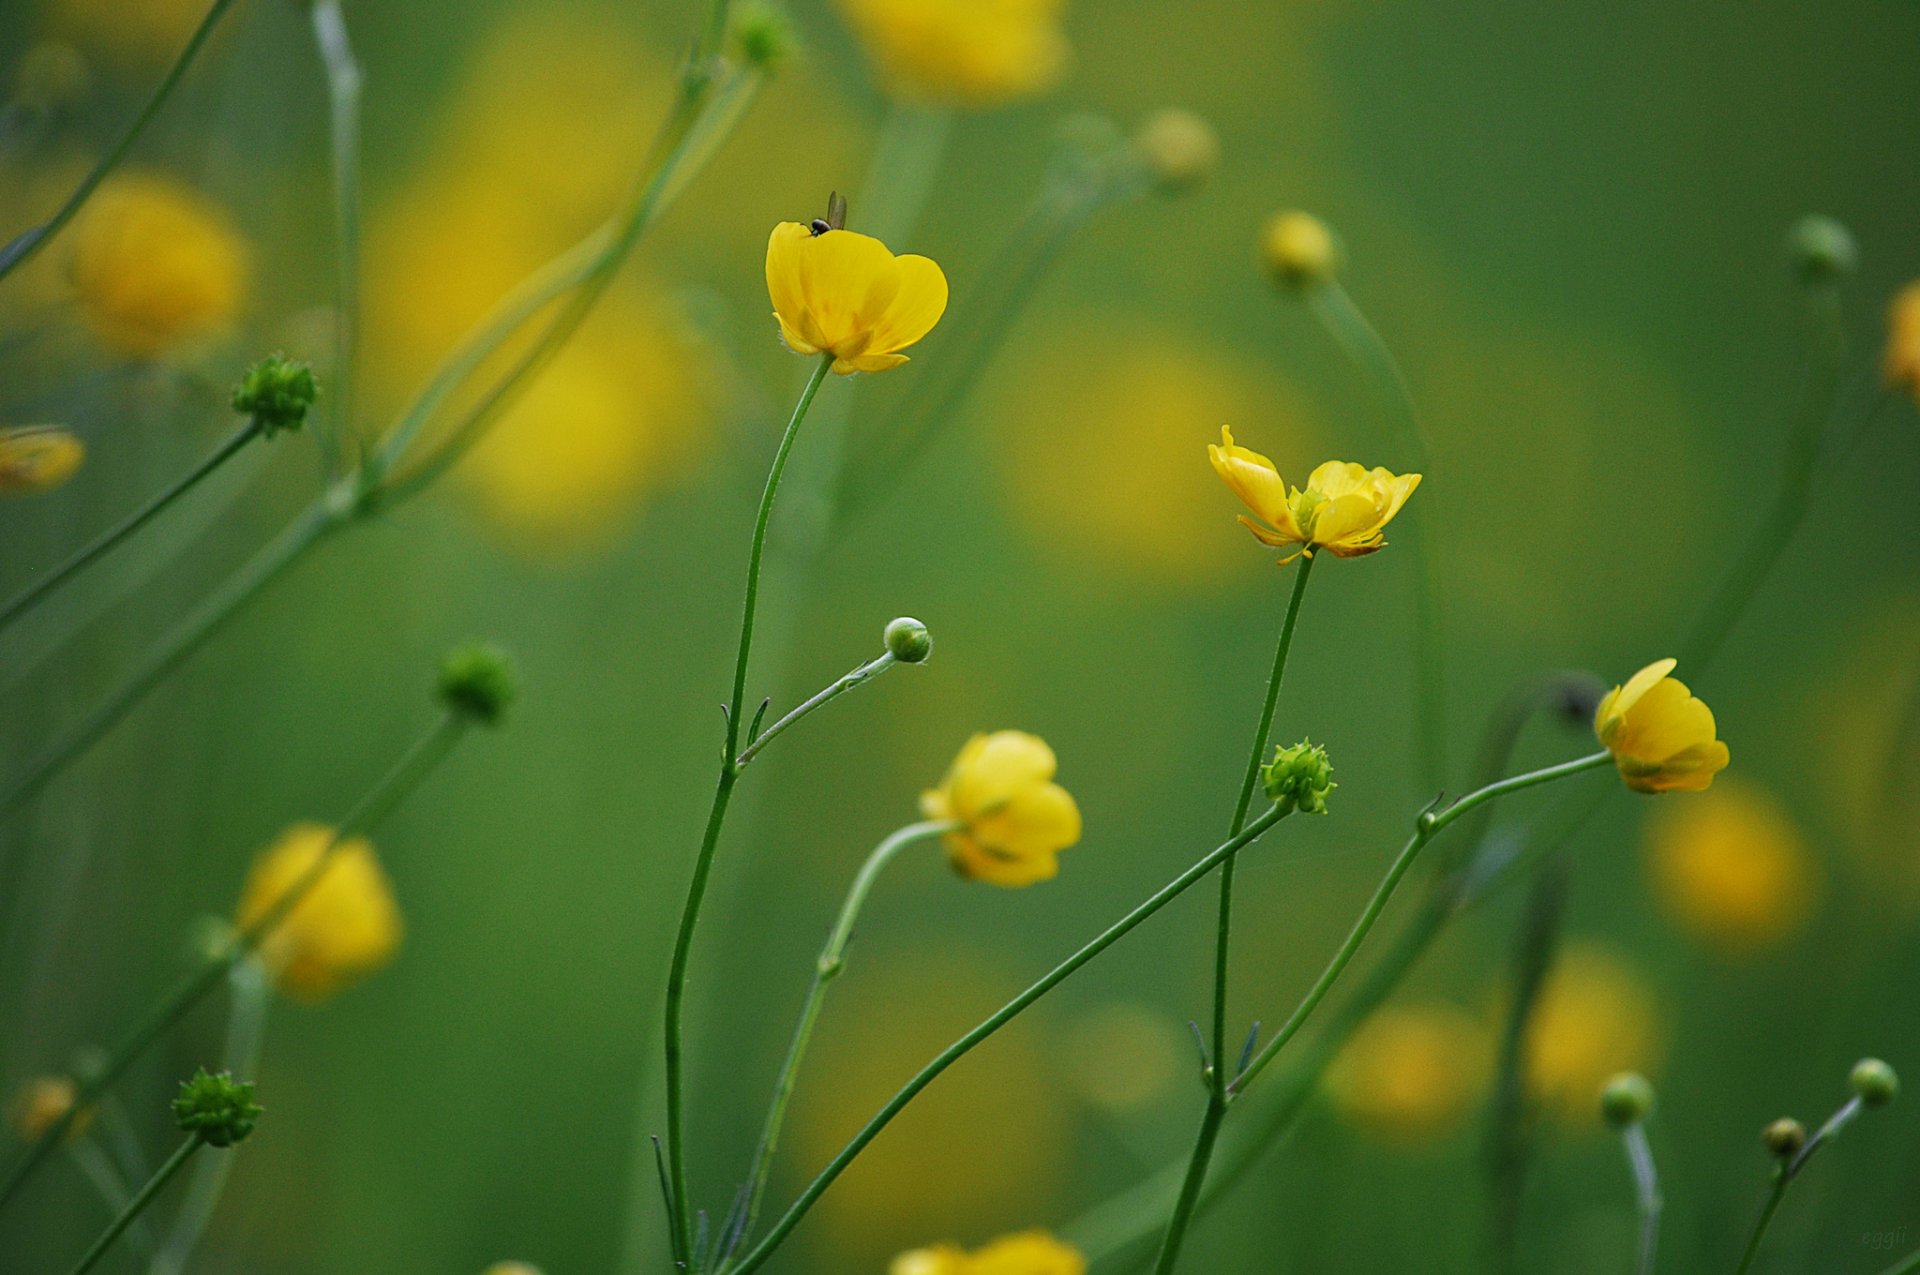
[(1568, 221)]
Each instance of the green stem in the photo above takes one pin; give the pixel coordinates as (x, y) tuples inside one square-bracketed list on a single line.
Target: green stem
[(683, 1224), (1784, 1174), (993, 1023), (27, 243), (138, 1204), (1905, 1266), (1646, 1184), (110, 539), (99, 1169), (344, 82), (859, 677), (906, 157), (1774, 1193), (831, 964)]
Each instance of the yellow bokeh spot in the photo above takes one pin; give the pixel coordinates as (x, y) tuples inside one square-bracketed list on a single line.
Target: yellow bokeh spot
[(1595, 1016), (1124, 1057), (1731, 868), (963, 52), (345, 924), (139, 34), (1412, 1072), (153, 264)]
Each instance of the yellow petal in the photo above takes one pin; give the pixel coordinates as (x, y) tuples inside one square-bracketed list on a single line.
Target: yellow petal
[(1621, 699), (1253, 478), (996, 766), (916, 306), (1035, 820)]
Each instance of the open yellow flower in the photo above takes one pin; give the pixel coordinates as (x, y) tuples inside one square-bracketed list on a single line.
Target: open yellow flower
[(37, 458), (1013, 819), (845, 294), (1024, 1253), (1661, 737), (1343, 509), (1901, 362), (974, 53), (153, 263), (347, 925)]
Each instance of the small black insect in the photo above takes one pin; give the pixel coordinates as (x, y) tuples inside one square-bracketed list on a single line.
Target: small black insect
[(820, 226)]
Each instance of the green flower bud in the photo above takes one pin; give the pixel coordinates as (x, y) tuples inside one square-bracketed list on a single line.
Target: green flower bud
[(908, 640), (1874, 1082), (1180, 148), (1626, 1100), (276, 392), (218, 1108), (1821, 249), (478, 681), (1784, 1137), (1299, 250), (1300, 777), (763, 37)]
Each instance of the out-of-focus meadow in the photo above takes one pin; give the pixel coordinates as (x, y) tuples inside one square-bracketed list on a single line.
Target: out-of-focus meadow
[(1569, 224)]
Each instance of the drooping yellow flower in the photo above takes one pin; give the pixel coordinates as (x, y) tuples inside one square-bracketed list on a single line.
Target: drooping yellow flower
[(975, 53), (1596, 1016), (1411, 1073), (1343, 509), (846, 294), (43, 1102), (1731, 867), (37, 458), (153, 264), (1013, 818), (1661, 737), (346, 927), (1023, 1253), (1902, 359)]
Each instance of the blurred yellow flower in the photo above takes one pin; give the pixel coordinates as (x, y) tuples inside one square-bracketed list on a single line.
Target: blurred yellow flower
[(975, 53), (346, 927), (1298, 249), (1024, 1253), (1661, 737), (42, 1102), (37, 458), (1123, 1057), (846, 294), (1343, 509), (1013, 818), (1412, 1072), (1902, 359), (153, 263), (1731, 867), (148, 32), (1595, 1017)]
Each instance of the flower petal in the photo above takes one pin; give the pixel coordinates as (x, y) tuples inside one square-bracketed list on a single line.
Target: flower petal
[(916, 306)]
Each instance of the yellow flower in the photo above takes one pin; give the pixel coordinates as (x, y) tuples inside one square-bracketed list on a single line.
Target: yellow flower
[(1343, 509), (347, 925), (154, 264), (1660, 736), (1595, 1017), (1013, 818), (1732, 868), (1902, 360), (42, 1102), (845, 294), (37, 458), (1025, 1253), (963, 52), (1413, 1072)]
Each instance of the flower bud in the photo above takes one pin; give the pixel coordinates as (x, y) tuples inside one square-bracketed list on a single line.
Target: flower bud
[(43, 1102), (37, 458), (1784, 1137), (1180, 148), (276, 392), (1874, 1082), (217, 1107), (1300, 777), (1626, 1100), (1299, 250), (478, 681), (512, 1268), (908, 640), (1821, 250), (763, 37)]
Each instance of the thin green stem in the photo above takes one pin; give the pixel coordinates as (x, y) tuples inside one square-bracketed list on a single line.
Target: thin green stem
[(1905, 1266), (99, 1169), (29, 242), (1646, 1186), (138, 1204), (344, 82), (831, 964), (858, 677), (762, 1251), (108, 540), (1784, 1174), (906, 157), (1775, 1192)]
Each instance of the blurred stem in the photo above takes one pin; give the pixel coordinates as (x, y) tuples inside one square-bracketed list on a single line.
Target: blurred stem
[(1775, 1191), (840, 686), (108, 540), (993, 1023), (1216, 1068), (683, 1224), (1646, 1184), (831, 965), (27, 243), (343, 95), (906, 157), (1905, 1266), (138, 1204), (105, 1177), (399, 782)]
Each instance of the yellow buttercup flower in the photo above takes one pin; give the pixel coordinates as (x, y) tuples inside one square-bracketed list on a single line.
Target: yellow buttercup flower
[(1732, 868), (1412, 1072), (1343, 509), (1024, 1253), (37, 458), (1595, 1017), (153, 264), (347, 925), (1660, 736), (845, 294), (1902, 360), (1013, 819), (963, 52)]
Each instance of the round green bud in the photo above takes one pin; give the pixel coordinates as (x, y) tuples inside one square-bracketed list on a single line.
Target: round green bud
[(763, 36), (1299, 250), (1626, 1100), (1300, 777), (1784, 1137), (209, 938), (1821, 249), (1874, 1082), (276, 392), (218, 1108), (478, 681), (1181, 149), (908, 640)]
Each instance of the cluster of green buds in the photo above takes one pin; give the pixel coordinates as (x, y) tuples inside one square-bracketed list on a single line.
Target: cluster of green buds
[(276, 393), (218, 1109), (478, 682), (1299, 778)]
